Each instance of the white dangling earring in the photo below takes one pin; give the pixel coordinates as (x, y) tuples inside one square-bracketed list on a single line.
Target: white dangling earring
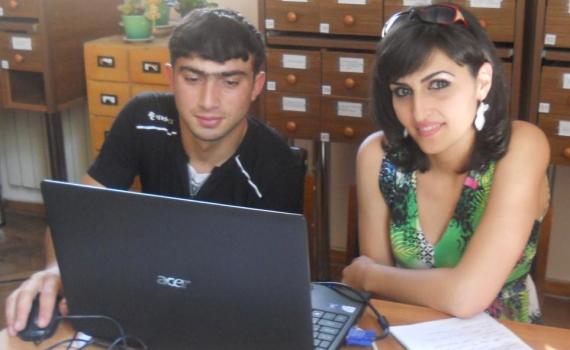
[(405, 133), (480, 116)]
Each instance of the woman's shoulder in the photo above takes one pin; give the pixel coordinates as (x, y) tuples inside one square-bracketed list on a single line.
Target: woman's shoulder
[(371, 148), (528, 144)]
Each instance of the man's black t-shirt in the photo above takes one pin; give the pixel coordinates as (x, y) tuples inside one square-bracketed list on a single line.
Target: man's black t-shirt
[(145, 140)]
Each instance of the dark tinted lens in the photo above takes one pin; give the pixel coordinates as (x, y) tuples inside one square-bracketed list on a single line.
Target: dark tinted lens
[(438, 14), (392, 21)]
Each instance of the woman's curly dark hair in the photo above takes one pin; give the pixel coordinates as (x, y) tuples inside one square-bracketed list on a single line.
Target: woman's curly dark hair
[(403, 51)]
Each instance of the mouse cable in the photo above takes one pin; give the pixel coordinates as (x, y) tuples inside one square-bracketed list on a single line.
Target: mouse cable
[(341, 288)]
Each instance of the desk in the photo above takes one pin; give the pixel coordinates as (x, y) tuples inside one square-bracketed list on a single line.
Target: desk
[(538, 337)]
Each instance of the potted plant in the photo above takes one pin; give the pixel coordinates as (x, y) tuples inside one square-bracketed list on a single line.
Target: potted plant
[(185, 6), (139, 17)]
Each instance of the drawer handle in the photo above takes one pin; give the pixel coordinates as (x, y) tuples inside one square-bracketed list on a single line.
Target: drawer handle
[(291, 79), (18, 58), (14, 4), (291, 17), (349, 20), (291, 126), (483, 23), (566, 152), (349, 83), (348, 131)]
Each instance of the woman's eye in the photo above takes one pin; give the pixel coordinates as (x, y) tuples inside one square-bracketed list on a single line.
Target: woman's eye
[(439, 84), (401, 92)]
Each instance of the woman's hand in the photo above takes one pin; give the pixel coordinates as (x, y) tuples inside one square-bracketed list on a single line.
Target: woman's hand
[(356, 273)]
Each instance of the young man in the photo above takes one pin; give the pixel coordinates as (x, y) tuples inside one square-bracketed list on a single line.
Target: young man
[(195, 143)]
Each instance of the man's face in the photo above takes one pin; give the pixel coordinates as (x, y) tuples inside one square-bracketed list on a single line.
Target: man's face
[(213, 98)]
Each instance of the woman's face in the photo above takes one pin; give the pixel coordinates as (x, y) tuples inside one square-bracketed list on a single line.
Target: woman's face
[(438, 102)]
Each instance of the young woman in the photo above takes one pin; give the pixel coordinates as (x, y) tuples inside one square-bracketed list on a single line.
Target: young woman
[(451, 193)]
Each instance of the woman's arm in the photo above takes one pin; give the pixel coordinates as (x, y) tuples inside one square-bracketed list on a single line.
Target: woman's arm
[(517, 197)]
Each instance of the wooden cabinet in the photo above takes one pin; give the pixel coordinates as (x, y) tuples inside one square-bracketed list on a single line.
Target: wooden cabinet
[(41, 58), (116, 71)]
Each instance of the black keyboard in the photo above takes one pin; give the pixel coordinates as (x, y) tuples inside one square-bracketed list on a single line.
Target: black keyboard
[(327, 327)]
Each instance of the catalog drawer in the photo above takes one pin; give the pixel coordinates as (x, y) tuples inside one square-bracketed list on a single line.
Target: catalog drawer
[(294, 71), (346, 74), (107, 98), (356, 17), (508, 69), (100, 126), (558, 132), (346, 119), (557, 24), (140, 88), (555, 90), (147, 64), (294, 115), (291, 15), (104, 61), (20, 51), (20, 8)]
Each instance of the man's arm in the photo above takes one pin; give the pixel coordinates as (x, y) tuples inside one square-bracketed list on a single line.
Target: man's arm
[(46, 282)]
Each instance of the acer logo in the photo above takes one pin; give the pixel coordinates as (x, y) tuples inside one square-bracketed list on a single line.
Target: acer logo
[(172, 282)]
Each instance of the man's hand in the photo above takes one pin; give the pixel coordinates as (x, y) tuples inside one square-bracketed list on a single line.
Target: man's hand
[(355, 274), (48, 284)]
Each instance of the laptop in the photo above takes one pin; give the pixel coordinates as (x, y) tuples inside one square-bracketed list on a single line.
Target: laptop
[(184, 274)]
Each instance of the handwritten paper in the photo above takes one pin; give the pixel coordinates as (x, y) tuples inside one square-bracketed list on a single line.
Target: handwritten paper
[(479, 332)]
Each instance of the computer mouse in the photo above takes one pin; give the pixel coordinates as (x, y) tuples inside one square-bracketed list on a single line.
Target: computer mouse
[(34, 333)]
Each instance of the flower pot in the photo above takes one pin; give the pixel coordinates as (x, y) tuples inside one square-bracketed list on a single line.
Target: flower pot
[(137, 27), (164, 11)]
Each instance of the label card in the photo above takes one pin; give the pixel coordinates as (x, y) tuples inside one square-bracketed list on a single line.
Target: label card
[(294, 61), (351, 2), (269, 23), (294, 104), (151, 67), (564, 128), (487, 4), (5, 64), (550, 39), (325, 137), (351, 65), (324, 28), (417, 2), (271, 85), (326, 89), (349, 109), (566, 81), (21, 43), (1, 11), (109, 100), (544, 107), (106, 61)]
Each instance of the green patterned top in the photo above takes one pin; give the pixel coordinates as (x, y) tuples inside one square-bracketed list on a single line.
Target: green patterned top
[(517, 299)]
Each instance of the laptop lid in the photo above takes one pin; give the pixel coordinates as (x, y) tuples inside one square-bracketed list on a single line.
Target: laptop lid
[(181, 274)]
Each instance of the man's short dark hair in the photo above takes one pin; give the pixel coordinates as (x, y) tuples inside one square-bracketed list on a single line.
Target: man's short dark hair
[(217, 35)]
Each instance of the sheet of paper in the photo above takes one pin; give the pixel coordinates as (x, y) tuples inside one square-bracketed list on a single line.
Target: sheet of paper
[(480, 332)]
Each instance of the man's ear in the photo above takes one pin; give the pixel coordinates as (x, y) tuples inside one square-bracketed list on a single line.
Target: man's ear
[(169, 71), (484, 80), (258, 85)]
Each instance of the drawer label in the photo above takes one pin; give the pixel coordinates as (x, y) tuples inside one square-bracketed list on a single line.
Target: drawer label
[(326, 89), (417, 2), (1, 11), (325, 137), (271, 85), (294, 61), (351, 65), (5, 64), (550, 39), (22, 43), (351, 2), (566, 81), (324, 28), (269, 23), (106, 61), (151, 67), (294, 104), (544, 107), (109, 100), (563, 128), (488, 4), (349, 109)]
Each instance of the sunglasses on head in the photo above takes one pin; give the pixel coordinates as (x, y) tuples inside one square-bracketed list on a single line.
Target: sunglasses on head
[(444, 14)]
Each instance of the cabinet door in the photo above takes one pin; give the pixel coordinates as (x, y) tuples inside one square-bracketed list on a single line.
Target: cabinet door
[(22, 52), (297, 71), (356, 17), (347, 74), (294, 115), (100, 126), (345, 119), (557, 24), (292, 15), (555, 90), (20, 8), (107, 98), (497, 17), (559, 140), (104, 61), (147, 65)]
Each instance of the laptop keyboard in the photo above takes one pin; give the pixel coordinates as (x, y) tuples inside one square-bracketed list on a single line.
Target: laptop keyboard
[(327, 327)]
